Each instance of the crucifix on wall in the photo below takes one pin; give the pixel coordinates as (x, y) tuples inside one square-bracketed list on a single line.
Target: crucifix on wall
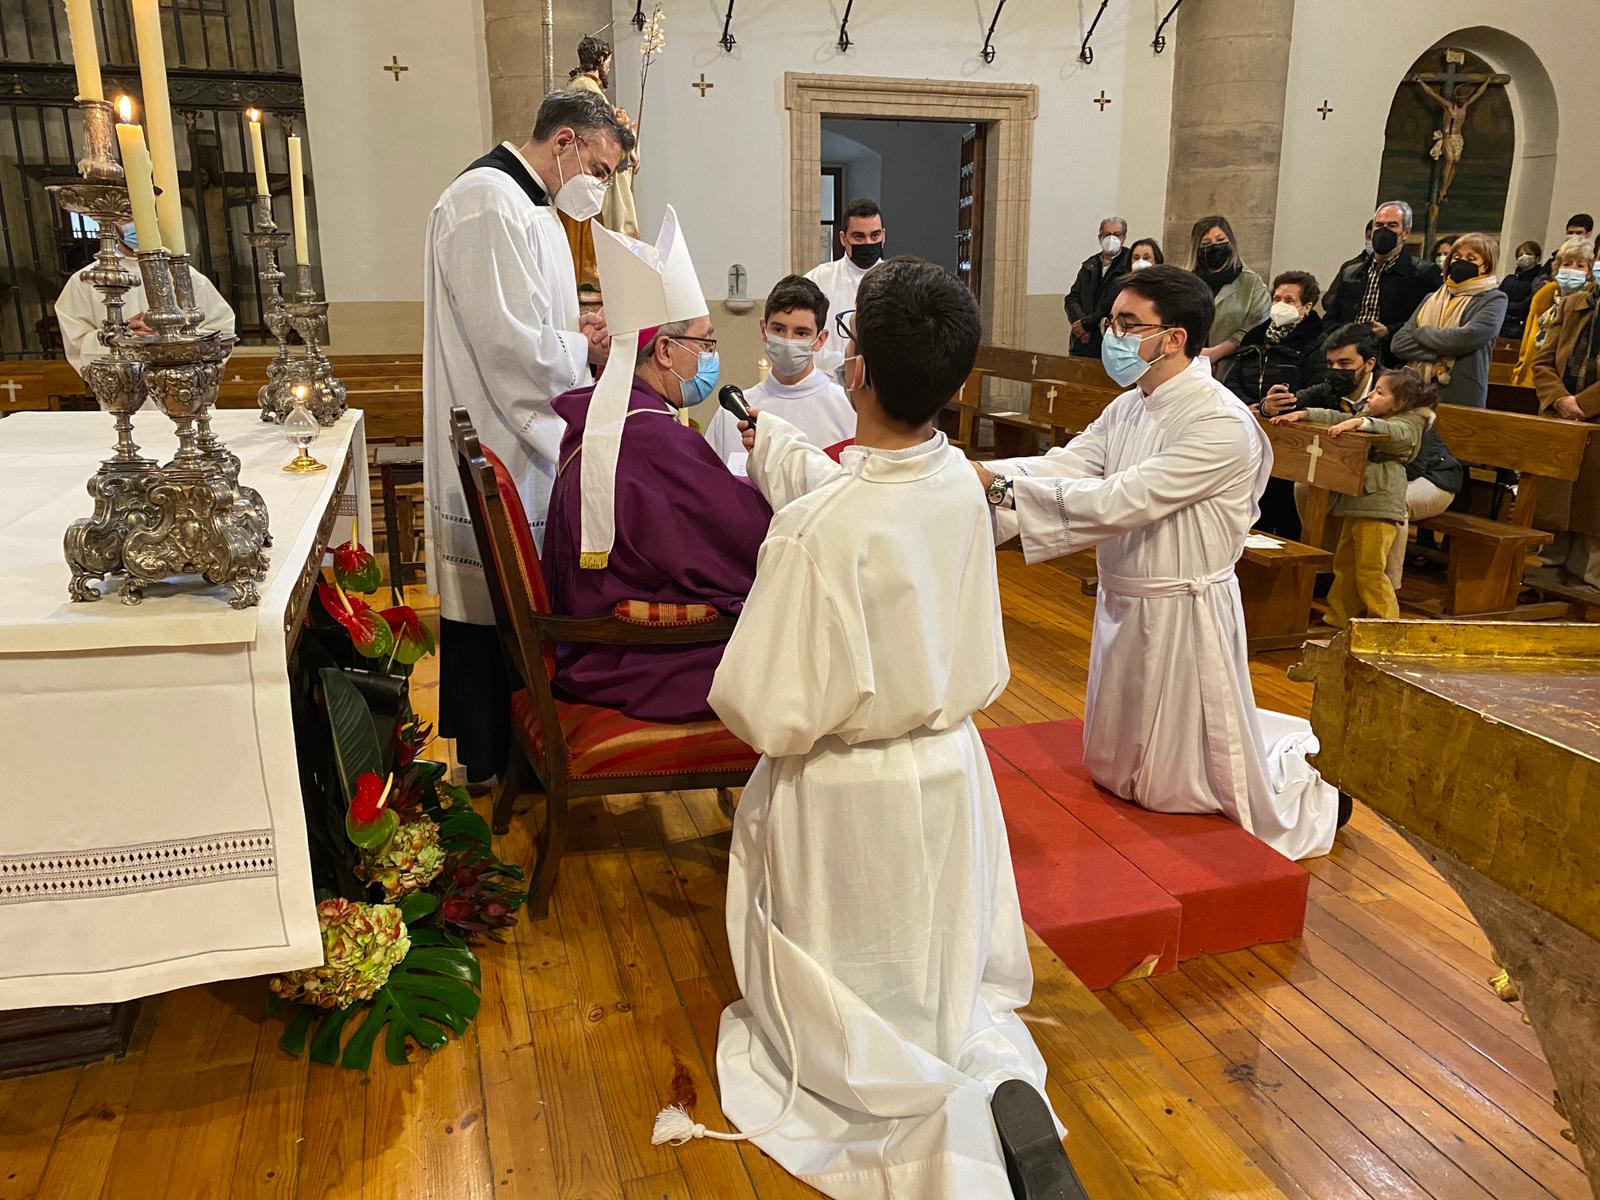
[(1455, 97)]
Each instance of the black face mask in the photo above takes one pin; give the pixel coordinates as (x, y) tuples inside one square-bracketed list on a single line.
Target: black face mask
[(866, 254), (1384, 239), (1342, 380), (1214, 258), (1461, 270)]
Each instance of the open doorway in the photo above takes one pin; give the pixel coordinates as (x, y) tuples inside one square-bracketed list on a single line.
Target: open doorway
[(923, 175)]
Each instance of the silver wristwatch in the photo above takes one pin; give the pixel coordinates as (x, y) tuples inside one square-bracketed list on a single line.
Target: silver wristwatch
[(999, 492)]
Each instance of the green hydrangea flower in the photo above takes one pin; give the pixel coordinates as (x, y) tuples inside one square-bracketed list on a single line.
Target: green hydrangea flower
[(361, 944), (409, 861)]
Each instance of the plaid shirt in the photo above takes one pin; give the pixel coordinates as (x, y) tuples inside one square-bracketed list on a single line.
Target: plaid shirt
[(1367, 313)]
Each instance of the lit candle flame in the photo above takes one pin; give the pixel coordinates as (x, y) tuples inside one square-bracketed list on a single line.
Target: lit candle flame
[(125, 110), (299, 391), (254, 115)]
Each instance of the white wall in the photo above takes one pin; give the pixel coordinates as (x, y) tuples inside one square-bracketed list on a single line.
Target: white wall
[(862, 166), (384, 150), (730, 181), (1330, 169)]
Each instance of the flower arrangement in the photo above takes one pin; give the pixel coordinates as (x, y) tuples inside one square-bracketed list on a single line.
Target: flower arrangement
[(361, 944), (653, 39), (410, 860)]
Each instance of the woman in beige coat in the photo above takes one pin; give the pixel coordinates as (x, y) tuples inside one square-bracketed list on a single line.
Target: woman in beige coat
[(1566, 376)]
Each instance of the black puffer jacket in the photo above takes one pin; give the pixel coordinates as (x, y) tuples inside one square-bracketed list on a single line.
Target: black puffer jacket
[(1297, 361)]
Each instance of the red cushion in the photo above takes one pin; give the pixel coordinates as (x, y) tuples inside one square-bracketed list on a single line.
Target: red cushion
[(839, 448), (603, 743), (528, 570), (659, 614)]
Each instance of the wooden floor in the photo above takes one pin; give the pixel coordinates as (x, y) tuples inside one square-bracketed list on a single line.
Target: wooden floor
[(1369, 1059)]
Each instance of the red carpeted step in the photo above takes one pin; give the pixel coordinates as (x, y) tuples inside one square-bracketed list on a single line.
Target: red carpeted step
[(1235, 890), (1088, 903)]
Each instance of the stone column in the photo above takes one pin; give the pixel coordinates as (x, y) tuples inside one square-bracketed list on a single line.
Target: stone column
[(514, 37), (1230, 76)]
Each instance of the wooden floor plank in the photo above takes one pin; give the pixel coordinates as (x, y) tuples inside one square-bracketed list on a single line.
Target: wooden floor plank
[(269, 1143), (583, 1162), (32, 1111)]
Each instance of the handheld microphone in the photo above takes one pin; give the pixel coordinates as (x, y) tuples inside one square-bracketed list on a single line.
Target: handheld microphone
[(732, 399)]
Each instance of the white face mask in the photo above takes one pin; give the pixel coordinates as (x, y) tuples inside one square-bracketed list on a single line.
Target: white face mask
[(787, 357), (1111, 243), (582, 196), (1524, 261), (1283, 313), (1140, 264)]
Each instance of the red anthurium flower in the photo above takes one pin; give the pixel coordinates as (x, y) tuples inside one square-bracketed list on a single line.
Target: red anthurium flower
[(355, 567), (371, 795), (369, 632), (412, 638)]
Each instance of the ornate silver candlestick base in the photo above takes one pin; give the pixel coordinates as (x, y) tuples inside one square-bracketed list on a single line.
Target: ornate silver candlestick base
[(325, 395), (276, 396)]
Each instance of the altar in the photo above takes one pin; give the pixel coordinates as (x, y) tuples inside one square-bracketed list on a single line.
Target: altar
[(153, 835)]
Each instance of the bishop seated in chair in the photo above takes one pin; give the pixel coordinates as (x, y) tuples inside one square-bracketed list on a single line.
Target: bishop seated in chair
[(643, 509)]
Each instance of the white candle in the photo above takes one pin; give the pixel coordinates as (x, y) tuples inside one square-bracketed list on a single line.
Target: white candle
[(85, 53), (141, 191), (258, 154), (297, 201), (158, 122)]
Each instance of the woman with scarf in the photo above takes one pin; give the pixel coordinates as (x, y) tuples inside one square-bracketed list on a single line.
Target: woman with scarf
[(1566, 375), (1570, 269), (1451, 336), (1240, 296)]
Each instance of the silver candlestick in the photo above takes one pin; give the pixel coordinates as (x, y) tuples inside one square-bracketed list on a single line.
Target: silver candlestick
[(99, 162), (200, 521), (309, 316), (276, 396)]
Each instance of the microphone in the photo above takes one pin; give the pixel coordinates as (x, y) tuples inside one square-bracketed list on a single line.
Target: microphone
[(732, 399)]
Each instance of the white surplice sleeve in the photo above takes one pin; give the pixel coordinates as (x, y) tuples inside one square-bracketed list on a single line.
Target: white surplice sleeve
[(218, 313), (502, 300), (1062, 516), (1084, 457), (789, 675), (784, 465), (79, 311)]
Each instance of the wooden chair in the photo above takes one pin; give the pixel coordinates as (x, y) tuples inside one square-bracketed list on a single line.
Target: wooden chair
[(572, 750)]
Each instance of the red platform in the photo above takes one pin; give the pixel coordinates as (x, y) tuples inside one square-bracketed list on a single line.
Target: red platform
[(1108, 885)]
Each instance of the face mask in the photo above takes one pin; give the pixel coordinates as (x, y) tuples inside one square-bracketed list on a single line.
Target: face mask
[(582, 196), (787, 357), (130, 236), (1524, 261), (1111, 243), (1342, 380), (1461, 270), (698, 387), (1119, 355), (1595, 271), (1570, 279), (1140, 264), (1443, 260), (1283, 313), (1215, 257), (867, 254), (1368, 247), (1384, 239)]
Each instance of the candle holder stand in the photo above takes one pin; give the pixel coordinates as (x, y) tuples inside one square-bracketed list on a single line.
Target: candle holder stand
[(276, 396), (308, 315)]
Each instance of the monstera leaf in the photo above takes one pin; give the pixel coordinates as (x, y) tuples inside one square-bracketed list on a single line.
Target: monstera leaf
[(412, 639), (369, 632), (355, 567)]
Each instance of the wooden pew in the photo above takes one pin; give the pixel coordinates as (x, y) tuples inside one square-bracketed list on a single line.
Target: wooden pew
[(1486, 557), (1509, 397)]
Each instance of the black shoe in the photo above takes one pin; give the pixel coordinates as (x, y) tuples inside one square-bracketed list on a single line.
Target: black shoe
[(1347, 806), (1037, 1165)]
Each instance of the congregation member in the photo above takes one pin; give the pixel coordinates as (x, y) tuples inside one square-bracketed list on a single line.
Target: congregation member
[(794, 329), (1164, 484), (1285, 350), (1239, 296), (1397, 413), (872, 911), (1572, 265), (80, 309), (502, 336), (862, 238), (1146, 252), (1451, 337), (642, 508), (1520, 286), (1441, 251), (1580, 227), (1089, 300), (1566, 375), (1384, 288)]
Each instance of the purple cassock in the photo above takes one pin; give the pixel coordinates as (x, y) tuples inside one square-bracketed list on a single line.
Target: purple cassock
[(688, 532)]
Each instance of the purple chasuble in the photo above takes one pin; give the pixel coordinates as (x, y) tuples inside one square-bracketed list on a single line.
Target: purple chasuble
[(687, 532)]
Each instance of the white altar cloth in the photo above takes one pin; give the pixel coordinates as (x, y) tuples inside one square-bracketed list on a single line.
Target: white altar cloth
[(151, 829)]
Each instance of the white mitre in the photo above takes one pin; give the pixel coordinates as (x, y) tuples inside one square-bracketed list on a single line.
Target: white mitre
[(644, 287)]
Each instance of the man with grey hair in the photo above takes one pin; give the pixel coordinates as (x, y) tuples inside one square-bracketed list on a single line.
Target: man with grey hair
[(1382, 289), (502, 336), (1092, 293)]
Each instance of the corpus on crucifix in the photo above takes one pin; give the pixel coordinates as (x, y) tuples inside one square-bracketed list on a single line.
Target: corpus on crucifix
[(1455, 98)]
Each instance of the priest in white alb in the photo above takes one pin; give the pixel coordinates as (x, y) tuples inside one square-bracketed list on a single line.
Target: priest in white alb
[(502, 336), (862, 237), (1165, 484)]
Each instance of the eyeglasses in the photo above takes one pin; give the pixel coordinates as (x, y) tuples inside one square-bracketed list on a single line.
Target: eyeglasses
[(843, 328), (608, 171), (1120, 327), (709, 343)]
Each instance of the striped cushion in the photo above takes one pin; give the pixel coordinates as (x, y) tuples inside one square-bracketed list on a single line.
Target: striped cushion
[(603, 743), (661, 615)]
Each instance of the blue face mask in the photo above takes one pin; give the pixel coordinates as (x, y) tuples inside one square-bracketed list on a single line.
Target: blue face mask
[(699, 387), (1595, 271), (1119, 355), (1570, 279), (130, 236)]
